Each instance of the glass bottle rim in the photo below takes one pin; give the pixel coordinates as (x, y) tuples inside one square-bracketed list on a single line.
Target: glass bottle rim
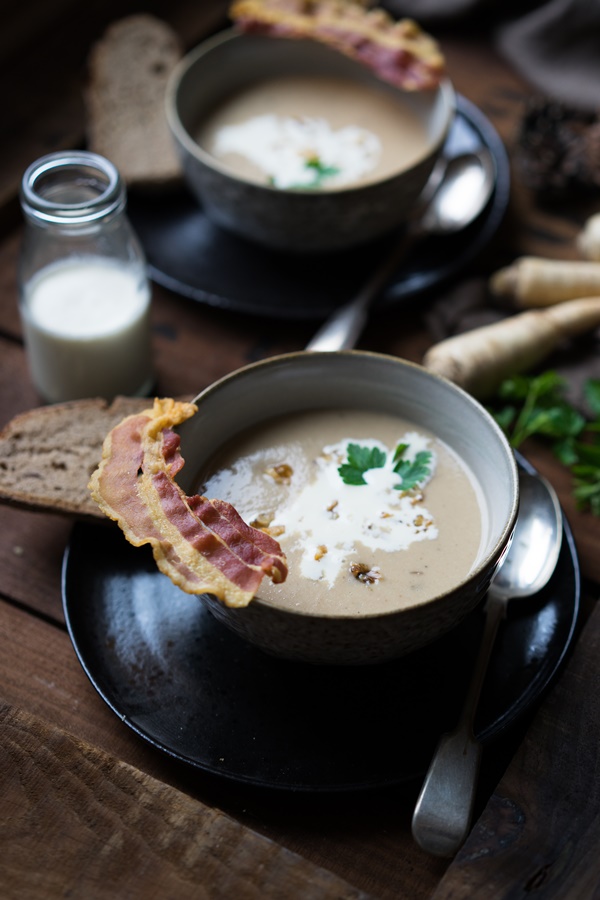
[(95, 172)]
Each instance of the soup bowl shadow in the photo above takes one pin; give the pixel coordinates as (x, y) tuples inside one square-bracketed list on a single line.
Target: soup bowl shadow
[(358, 380), (300, 221)]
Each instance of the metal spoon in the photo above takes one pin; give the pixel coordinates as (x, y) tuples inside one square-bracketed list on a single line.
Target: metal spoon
[(442, 816), (457, 191)]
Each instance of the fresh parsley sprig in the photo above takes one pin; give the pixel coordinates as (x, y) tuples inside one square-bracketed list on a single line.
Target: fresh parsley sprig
[(320, 169), (412, 472), (536, 405), (319, 172), (361, 459)]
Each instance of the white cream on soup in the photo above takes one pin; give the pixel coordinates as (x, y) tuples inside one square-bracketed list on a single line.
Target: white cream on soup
[(301, 152), (327, 517), (352, 549)]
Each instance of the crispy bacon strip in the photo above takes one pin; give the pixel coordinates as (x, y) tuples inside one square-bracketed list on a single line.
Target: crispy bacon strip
[(203, 545), (399, 52)]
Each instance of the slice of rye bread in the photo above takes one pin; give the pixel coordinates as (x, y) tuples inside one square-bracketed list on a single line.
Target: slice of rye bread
[(127, 74), (48, 454)]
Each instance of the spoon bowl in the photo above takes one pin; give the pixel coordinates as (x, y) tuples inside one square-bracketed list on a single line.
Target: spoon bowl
[(464, 189), (444, 809), (458, 190), (533, 553)]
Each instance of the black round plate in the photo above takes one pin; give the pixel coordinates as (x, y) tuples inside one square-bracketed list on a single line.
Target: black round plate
[(201, 694), (191, 256)]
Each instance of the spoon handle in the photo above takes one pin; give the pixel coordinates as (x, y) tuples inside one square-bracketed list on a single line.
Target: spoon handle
[(343, 328), (442, 816)]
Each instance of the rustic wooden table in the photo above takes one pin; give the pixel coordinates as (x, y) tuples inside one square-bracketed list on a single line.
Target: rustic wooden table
[(89, 809)]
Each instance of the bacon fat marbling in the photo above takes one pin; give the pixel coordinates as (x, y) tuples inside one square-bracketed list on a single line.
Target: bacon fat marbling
[(399, 52), (203, 545)]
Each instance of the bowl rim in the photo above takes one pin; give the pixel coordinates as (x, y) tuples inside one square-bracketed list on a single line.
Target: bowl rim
[(178, 130), (501, 542)]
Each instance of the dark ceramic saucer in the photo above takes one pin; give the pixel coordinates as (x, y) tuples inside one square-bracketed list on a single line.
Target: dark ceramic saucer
[(197, 692)]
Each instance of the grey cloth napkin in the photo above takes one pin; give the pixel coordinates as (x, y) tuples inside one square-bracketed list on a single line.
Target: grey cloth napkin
[(555, 45)]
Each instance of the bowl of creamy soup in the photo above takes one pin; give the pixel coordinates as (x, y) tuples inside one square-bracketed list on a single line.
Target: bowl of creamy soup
[(392, 492), (295, 146)]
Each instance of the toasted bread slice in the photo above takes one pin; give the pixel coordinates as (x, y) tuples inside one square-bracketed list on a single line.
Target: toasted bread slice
[(48, 454), (128, 70)]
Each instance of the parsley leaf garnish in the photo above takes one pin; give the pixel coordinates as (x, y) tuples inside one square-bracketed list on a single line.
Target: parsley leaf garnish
[(412, 472), (360, 460), (319, 172)]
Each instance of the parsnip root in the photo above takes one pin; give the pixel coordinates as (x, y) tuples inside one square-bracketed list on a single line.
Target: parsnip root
[(588, 239), (479, 360), (533, 281)]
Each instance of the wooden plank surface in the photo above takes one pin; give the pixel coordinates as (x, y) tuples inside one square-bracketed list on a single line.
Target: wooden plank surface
[(364, 840), (97, 827), (356, 836), (539, 834)]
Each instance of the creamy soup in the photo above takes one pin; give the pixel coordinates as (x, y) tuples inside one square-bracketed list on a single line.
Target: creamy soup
[(373, 513), (314, 132)]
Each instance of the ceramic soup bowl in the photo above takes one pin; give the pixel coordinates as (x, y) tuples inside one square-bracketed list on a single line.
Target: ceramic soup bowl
[(300, 218), (355, 380)]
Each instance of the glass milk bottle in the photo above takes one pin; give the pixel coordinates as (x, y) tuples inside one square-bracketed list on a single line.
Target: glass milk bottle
[(84, 296)]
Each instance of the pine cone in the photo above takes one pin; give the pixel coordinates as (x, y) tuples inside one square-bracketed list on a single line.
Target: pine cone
[(585, 157), (558, 148)]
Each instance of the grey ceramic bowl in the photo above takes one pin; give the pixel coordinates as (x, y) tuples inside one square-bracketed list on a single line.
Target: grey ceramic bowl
[(293, 220), (355, 379)]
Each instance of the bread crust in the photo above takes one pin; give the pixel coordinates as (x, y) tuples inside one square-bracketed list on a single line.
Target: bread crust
[(48, 454)]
